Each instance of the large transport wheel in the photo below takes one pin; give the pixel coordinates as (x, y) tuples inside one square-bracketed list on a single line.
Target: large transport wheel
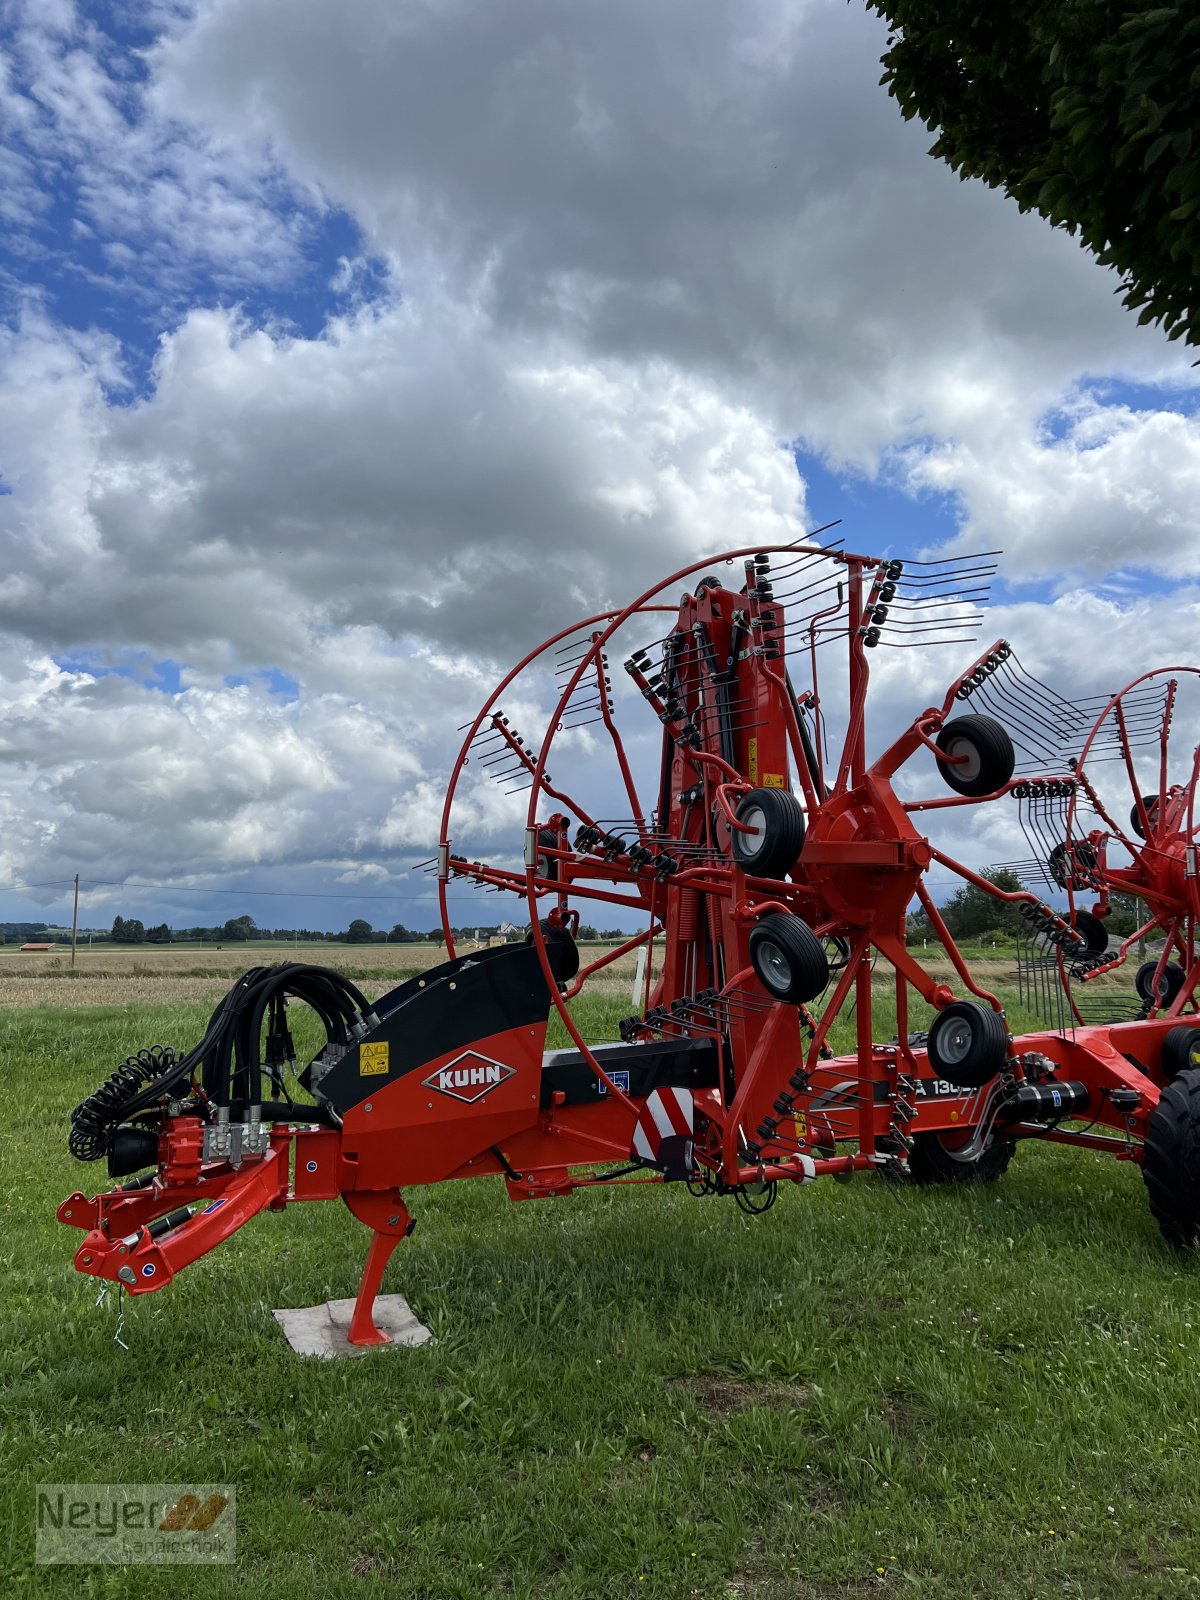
[(777, 819), (1180, 1051), (983, 754), (944, 1158), (788, 958), (1171, 1161), (968, 1044)]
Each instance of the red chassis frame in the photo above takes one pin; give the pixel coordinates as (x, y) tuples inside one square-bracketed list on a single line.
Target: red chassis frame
[(776, 1106)]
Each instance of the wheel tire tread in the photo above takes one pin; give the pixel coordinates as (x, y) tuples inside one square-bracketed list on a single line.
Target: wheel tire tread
[(806, 954), (989, 1050), (1171, 1160), (929, 1162), (785, 828), (997, 758)]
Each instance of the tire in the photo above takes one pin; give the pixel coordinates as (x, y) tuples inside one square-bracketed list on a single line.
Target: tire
[(1169, 984), (1093, 931), (968, 1044), (930, 1161), (1072, 870), (561, 950), (548, 866), (788, 958), (837, 951), (1180, 1051), (1135, 821), (778, 820), (1171, 1161), (989, 752)]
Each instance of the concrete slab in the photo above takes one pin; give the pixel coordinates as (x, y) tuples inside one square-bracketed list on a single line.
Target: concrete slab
[(323, 1330)]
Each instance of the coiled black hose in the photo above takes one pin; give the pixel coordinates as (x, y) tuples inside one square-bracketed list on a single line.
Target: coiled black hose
[(94, 1119), (227, 1065)]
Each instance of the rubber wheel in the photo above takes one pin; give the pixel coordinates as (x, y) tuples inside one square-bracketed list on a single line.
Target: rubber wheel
[(1093, 931), (990, 757), (1169, 984), (788, 958), (561, 949), (1180, 1051), (1135, 821), (778, 822), (837, 951), (930, 1161), (548, 866), (968, 1044), (1072, 871), (1171, 1160)]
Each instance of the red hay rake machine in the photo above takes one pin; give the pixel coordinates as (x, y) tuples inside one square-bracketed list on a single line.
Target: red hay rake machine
[(770, 872)]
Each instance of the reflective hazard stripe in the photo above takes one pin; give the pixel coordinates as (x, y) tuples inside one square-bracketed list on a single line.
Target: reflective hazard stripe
[(668, 1113)]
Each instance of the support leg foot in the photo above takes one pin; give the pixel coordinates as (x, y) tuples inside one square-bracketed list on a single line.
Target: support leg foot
[(389, 1218)]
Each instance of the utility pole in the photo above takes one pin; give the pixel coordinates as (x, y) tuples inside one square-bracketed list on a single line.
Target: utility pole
[(75, 920)]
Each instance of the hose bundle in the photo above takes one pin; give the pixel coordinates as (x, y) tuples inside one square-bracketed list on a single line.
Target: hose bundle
[(227, 1065), (93, 1119)]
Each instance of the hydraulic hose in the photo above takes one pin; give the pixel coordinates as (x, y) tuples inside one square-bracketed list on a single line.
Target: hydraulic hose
[(228, 1059)]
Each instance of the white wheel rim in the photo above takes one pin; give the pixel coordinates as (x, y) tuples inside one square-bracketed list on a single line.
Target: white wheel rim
[(756, 820), (777, 971), (969, 768), (955, 1040)]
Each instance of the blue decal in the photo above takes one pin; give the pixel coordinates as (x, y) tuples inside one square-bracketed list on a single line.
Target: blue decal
[(213, 1205), (311, 1167), (620, 1080), (148, 1270)]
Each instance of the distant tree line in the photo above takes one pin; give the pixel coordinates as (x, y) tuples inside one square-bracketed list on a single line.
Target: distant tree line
[(970, 914), (973, 913)]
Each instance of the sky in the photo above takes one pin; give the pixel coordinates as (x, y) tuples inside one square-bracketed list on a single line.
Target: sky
[(346, 351)]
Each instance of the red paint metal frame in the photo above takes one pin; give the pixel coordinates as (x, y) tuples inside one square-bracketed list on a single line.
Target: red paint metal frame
[(862, 865)]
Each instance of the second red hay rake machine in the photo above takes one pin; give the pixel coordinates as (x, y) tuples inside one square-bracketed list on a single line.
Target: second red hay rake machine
[(771, 875)]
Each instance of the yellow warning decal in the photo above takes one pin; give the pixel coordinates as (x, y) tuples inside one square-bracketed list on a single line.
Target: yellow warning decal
[(373, 1059), (774, 780), (752, 761)]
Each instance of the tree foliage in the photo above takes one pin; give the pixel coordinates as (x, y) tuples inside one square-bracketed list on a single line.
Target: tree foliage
[(971, 911), (1085, 112)]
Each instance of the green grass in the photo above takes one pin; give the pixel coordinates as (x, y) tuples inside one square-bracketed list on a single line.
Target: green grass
[(631, 1393)]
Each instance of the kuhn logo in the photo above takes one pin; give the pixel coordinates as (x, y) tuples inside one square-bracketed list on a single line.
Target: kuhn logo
[(469, 1077)]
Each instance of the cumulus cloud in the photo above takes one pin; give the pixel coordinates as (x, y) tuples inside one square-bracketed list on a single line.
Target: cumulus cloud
[(634, 255), (394, 472), (1119, 488), (121, 780), (154, 198), (721, 185)]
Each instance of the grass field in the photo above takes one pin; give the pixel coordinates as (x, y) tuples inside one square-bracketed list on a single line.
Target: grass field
[(981, 1393), (123, 974)]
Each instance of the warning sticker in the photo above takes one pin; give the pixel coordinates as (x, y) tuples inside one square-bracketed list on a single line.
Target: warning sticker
[(774, 780), (373, 1059), (752, 760)]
